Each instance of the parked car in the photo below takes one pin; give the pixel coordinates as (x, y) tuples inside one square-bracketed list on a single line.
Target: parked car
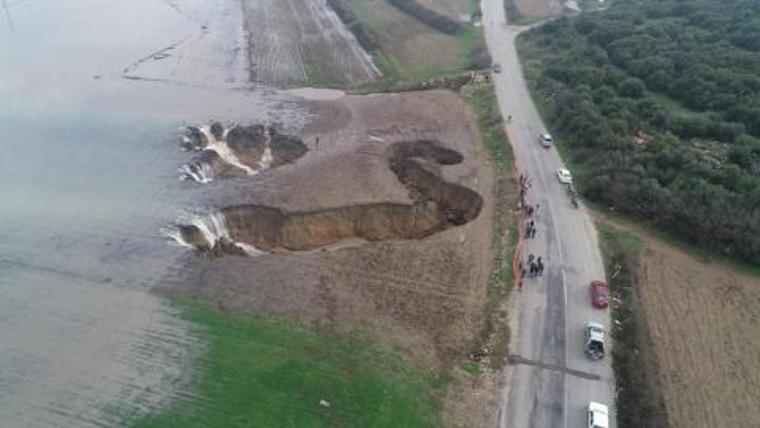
[(594, 340), (564, 176), (599, 294), (496, 67), (597, 415), (546, 140)]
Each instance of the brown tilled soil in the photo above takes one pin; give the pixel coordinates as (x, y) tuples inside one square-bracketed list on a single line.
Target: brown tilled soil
[(704, 320), (424, 297)]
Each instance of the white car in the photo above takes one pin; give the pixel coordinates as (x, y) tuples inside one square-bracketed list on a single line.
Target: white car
[(545, 140), (564, 176), (598, 415)]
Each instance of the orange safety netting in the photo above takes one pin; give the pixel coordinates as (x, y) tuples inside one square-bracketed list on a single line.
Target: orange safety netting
[(516, 274)]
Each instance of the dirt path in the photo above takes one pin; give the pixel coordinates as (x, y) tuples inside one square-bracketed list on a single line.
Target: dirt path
[(302, 41)]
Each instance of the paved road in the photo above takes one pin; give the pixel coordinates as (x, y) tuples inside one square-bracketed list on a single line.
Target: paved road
[(550, 380)]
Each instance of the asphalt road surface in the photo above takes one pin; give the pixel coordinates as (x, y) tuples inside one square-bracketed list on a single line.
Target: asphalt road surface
[(550, 380)]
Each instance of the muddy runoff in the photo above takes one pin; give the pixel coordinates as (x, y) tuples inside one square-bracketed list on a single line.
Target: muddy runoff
[(237, 151), (436, 205)]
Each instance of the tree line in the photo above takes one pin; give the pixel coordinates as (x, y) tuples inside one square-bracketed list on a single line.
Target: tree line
[(659, 102), (428, 16)]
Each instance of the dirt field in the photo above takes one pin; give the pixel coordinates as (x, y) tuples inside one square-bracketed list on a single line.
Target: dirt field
[(424, 296), (297, 41), (704, 320)]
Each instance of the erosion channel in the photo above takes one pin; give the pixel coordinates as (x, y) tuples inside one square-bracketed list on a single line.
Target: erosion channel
[(437, 205)]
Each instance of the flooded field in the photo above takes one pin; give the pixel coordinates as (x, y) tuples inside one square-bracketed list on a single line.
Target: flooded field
[(94, 97), (123, 119), (302, 42)]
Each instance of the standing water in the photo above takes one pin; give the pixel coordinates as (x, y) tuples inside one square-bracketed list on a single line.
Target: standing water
[(92, 94)]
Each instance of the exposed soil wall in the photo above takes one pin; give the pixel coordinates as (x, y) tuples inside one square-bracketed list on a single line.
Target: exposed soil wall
[(423, 297), (437, 205), (245, 150)]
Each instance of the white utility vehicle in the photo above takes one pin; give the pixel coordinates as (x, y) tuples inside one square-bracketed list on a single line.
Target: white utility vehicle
[(597, 415)]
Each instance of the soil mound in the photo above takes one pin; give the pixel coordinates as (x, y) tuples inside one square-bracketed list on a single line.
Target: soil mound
[(437, 205)]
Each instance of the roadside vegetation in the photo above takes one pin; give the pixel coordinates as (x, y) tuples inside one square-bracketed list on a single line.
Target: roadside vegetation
[(495, 333), (269, 373), (685, 329), (410, 42), (656, 106), (428, 16), (514, 16), (638, 400)]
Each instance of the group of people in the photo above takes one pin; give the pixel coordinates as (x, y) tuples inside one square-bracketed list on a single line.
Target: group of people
[(525, 184), (535, 267), (530, 229)]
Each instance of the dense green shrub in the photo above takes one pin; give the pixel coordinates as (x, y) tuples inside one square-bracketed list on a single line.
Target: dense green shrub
[(688, 161)]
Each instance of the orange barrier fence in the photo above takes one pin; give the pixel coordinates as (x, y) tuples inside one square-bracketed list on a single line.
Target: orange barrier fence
[(516, 274)]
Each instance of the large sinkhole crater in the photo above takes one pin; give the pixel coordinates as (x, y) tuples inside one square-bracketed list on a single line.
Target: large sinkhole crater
[(436, 205), (237, 150)]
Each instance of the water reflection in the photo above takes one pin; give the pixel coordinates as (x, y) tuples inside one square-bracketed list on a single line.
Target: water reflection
[(92, 94)]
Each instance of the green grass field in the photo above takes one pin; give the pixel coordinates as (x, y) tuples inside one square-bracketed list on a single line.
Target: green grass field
[(413, 51), (265, 373)]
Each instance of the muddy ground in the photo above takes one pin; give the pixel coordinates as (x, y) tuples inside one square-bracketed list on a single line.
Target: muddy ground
[(423, 297), (293, 42)]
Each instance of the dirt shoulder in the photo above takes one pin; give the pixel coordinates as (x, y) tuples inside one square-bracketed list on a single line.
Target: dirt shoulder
[(702, 327)]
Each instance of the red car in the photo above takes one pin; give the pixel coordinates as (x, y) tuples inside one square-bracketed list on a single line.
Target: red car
[(600, 294)]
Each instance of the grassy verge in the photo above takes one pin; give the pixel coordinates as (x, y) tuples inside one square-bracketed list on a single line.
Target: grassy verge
[(268, 373), (410, 51), (483, 100), (514, 17), (638, 399), (707, 255)]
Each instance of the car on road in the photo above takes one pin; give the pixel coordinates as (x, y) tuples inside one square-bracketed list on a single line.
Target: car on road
[(594, 340), (564, 176), (546, 140), (600, 293), (597, 415), (496, 67)]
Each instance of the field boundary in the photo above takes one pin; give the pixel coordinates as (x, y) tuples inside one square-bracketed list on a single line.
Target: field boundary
[(495, 333), (427, 16), (639, 399)]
